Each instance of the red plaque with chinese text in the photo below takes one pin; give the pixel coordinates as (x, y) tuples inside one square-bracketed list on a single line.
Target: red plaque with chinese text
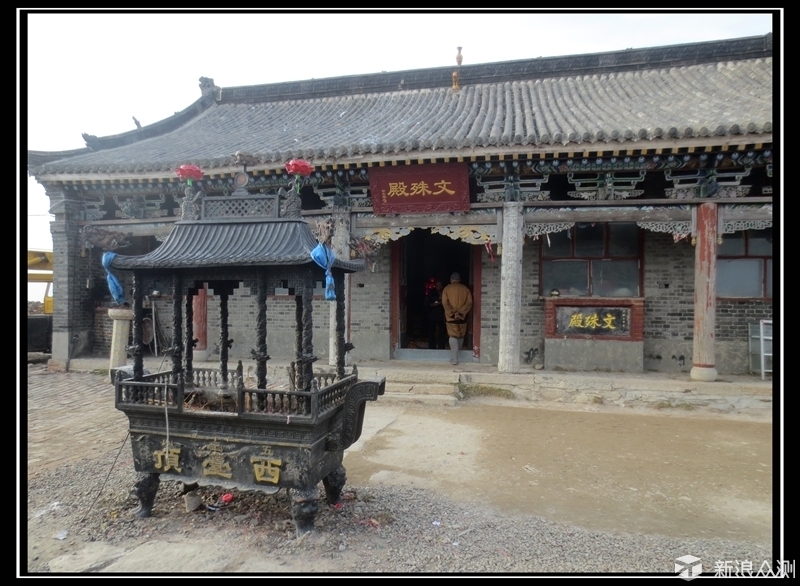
[(419, 189)]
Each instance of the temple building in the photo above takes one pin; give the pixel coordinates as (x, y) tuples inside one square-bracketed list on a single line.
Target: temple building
[(609, 211)]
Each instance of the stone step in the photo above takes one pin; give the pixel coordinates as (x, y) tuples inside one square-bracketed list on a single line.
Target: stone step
[(389, 398), (419, 388), (409, 375)]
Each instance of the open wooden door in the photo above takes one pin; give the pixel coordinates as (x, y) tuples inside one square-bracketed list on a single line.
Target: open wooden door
[(398, 313), (474, 339)]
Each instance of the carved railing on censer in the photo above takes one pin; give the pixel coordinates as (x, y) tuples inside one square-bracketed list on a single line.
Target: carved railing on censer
[(157, 391)]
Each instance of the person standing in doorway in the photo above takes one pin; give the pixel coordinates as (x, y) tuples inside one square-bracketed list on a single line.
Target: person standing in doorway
[(437, 334), (457, 302)]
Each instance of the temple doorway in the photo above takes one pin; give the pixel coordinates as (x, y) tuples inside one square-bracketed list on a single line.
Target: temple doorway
[(428, 256)]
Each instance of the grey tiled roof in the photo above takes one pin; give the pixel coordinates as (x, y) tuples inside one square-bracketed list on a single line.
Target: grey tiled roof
[(233, 243), (599, 101)]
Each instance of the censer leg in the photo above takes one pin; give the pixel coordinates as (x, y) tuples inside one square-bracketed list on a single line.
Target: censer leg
[(334, 482), (304, 509), (145, 490)]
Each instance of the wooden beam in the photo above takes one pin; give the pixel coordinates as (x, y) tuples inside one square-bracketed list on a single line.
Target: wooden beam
[(607, 215), (538, 213), (424, 221)]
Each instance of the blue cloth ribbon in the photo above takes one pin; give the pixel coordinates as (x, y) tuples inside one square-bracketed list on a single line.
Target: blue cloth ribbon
[(324, 257), (114, 285)]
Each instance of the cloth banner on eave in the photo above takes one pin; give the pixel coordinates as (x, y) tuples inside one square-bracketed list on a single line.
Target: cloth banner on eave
[(324, 257), (114, 285)]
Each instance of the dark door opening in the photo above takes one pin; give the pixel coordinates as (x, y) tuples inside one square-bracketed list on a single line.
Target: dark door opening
[(428, 256)]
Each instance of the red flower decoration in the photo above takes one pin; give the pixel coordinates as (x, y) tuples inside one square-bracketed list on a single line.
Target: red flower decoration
[(189, 172), (299, 167)]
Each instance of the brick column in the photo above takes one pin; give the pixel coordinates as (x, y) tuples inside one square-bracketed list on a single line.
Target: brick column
[(705, 292), (73, 317), (510, 288)]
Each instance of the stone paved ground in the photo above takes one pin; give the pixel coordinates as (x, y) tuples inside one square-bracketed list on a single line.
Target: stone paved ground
[(55, 436)]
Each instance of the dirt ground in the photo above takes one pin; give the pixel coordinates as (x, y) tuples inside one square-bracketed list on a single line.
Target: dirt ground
[(674, 474), (670, 473)]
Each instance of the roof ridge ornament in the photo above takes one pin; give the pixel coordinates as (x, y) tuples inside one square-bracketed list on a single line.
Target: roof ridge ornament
[(92, 141), (459, 58), (207, 85)]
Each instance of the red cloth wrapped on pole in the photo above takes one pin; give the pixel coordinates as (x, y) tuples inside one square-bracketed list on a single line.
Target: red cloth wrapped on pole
[(189, 172)]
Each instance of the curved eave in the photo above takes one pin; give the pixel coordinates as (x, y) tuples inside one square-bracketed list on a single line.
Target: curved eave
[(235, 243), (622, 148), (38, 159)]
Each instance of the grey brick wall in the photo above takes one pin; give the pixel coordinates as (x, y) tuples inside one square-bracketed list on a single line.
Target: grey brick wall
[(669, 303), (668, 280), (732, 339), (281, 324), (532, 314), (103, 329), (733, 317), (669, 311), (490, 307), (531, 329), (668, 287), (369, 310)]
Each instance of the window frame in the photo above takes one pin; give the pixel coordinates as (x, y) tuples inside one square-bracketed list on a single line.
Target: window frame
[(606, 256), (747, 256)]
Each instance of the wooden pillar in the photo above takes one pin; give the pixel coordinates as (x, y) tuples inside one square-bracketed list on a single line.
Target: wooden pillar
[(200, 323), (339, 322), (308, 331), (340, 244), (177, 329), (188, 371), (298, 343), (224, 343), (705, 292), (510, 288), (138, 332), (261, 331)]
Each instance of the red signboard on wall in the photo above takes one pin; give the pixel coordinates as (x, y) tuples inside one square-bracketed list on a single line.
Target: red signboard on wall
[(419, 189)]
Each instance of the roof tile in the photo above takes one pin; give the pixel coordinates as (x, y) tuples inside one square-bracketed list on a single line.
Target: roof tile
[(614, 106)]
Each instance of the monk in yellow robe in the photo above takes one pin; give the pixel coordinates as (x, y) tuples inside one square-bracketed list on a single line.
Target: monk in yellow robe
[(457, 303)]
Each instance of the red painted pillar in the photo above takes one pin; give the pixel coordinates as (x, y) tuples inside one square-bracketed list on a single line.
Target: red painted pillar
[(200, 323), (705, 293)]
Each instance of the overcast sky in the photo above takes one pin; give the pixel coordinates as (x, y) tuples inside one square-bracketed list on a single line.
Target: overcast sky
[(88, 72)]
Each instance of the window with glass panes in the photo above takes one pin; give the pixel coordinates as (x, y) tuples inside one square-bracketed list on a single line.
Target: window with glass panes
[(744, 264), (593, 260)]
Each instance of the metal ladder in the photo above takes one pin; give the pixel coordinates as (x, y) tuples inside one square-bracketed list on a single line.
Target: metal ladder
[(763, 338)]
